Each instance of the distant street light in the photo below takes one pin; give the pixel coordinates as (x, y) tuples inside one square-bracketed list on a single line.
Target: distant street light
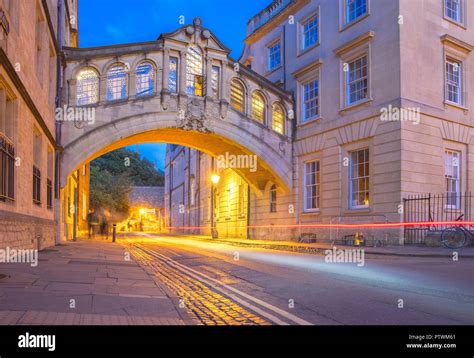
[(215, 179)]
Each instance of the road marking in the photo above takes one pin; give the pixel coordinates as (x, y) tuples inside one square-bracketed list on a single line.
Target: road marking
[(209, 281)]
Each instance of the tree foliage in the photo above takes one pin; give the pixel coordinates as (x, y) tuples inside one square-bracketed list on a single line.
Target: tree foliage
[(114, 174)]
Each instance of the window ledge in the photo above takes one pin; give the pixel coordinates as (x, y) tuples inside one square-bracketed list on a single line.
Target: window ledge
[(357, 210), (455, 105), (273, 70), (347, 25), (364, 102), (454, 22), (308, 49), (309, 121), (311, 212)]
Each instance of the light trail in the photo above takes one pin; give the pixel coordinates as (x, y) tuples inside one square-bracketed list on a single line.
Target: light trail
[(376, 225)]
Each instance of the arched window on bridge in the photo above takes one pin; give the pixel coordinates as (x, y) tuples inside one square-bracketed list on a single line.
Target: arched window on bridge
[(278, 118), (258, 107), (194, 71), (116, 82), (145, 79), (87, 87), (237, 95)]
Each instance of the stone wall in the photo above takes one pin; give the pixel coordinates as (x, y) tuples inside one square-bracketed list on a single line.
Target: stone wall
[(19, 231)]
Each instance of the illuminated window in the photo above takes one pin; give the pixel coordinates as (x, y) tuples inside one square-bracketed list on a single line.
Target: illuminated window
[(273, 199), (215, 82), (359, 179), (87, 87), (194, 77), (258, 107), (237, 95), (145, 79), (173, 75), (278, 119), (453, 81), (355, 9), (311, 186), (116, 83)]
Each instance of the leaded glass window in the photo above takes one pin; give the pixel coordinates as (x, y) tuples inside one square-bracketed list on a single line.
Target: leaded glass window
[(145, 79), (258, 107), (278, 119), (116, 83), (237, 95), (194, 70), (87, 87)]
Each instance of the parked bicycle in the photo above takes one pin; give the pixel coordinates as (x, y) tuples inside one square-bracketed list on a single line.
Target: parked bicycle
[(455, 237)]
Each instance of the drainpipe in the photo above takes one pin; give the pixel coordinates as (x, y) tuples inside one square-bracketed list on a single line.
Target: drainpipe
[(58, 102)]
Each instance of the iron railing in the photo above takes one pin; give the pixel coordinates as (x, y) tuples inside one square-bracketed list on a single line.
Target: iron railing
[(431, 210), (7, 169)]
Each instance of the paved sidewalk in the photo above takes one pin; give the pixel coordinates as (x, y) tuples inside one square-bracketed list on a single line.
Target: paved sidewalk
[(85, 282), (319, 248)]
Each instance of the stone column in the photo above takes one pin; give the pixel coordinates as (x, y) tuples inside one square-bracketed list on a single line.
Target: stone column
[(131, 83), (166, 70), (208, 72), (182, 73), (103, 88)]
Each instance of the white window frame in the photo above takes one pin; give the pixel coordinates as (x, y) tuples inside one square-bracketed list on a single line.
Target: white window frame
[(304, 119), (347, 20), (359, 177), (460, 15), (452, 160), (348, 83), (270, 54), (317, 184), (450, 62), (303, 33)]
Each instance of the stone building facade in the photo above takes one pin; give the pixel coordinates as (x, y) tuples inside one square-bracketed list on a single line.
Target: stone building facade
[(30, 41), (383, 109)]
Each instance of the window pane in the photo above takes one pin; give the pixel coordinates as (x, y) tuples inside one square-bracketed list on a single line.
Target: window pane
[(355, 9), (258, 107), (310, 32), (311, 185), (145, 80), (215, 82), (173, 75), (194, 71), (116, 83), (310, 100), (87, 87), (357, 80), (237, 95), (274, 56), (359, 178), (278, 119)]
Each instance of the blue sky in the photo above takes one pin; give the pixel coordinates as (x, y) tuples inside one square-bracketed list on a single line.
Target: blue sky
[(109, 22)]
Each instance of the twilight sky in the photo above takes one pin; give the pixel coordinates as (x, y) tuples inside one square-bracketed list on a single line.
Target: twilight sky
[(109, 22)]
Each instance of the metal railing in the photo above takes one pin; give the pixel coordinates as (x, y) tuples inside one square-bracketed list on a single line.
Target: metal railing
[(433, 209), (7, 169)]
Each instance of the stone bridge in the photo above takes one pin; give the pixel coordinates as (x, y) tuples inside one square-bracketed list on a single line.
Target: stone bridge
[(181, 89)]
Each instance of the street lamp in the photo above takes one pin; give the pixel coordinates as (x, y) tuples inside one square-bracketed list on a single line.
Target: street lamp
[(214, 181)]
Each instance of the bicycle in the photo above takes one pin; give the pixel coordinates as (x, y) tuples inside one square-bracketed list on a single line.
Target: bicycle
[(455, 237)]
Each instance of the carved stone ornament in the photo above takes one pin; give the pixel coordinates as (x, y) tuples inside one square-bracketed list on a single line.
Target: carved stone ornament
[(193, 118)]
